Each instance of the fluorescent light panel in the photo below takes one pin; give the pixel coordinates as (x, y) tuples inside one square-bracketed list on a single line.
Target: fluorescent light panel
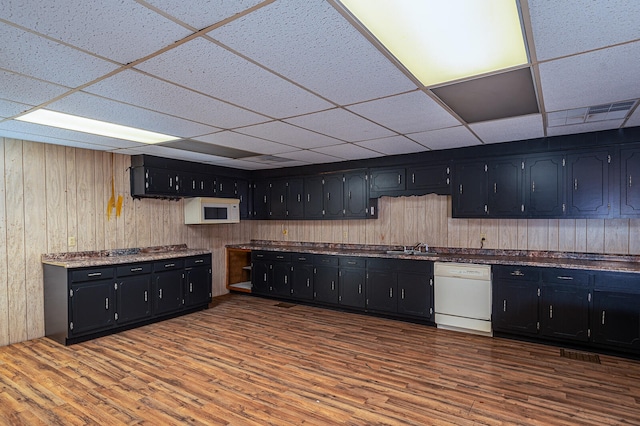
[(445, 40), (95, 127)]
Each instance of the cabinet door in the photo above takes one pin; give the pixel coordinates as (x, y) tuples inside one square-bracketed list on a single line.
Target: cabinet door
[(356, 196), (431, 178), (415, 294), (505, 187), (134, 298), (259, 276), (565, 312), (325, 284), (161, 181), (630, 182), (92, 306), (469, 190), (333, 196), (295, 199), (616, 319), (387, 181), (352, 287), (225, 187), (382, 289), (588, 184), (167, 292), (278, 206), (261, 200), (243, 196), (313, 198), (515, 306), (279, 285), (302, 281), (197, 286), (544, 186), (197, 185)]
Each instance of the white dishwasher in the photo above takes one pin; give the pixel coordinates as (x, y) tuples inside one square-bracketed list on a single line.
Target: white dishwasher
[(463, 297)]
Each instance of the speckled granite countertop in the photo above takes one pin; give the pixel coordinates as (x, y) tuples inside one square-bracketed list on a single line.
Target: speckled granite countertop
[(586, 261), (83, 259)]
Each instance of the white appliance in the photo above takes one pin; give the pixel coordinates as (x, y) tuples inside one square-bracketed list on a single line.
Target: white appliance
[(204, 210), (463, 297)]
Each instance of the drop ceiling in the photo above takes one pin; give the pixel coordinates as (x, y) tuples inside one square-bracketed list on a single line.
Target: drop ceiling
[(266, 84)]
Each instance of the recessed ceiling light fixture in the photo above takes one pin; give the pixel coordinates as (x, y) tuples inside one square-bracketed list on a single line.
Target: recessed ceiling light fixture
[(440, 41), (95, 127)]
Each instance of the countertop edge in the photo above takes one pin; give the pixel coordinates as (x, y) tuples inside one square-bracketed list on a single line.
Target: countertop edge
[(123, 259)]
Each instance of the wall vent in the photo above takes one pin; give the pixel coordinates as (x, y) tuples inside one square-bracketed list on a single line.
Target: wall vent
[(604, 112)]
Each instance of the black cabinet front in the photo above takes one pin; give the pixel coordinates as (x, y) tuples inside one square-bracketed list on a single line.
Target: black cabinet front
[(325, 284), (415, 290), (133, 297), (382, 290), (544, 183), (167, 292), (92, 306), (352, 287), (505, 187), (616, 319), (302, 276), (588, 184), (197, 286), (469, 192), (630, 182)]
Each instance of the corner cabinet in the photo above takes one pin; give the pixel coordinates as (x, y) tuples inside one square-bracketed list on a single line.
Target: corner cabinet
[(84, 303)]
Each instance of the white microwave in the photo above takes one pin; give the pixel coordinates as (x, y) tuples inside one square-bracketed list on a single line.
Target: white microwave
[(202, 210)]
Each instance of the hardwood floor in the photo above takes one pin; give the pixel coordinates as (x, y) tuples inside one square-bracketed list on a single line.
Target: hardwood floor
[(248, 361)]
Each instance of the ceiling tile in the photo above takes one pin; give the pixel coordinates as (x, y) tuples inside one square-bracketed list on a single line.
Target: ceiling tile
[(453, 137), (29, 54), (98, 108), (584, 128), (510, 129), (341, 124), (508, 94), (201, 14), (572, 26), (332, 58), (27, 90), (162, 151), (110, 29), (287, 134), (139, 89), (594, 78), (407, 113), (244, 142), (310, 157), (203, 66), (634, 120), (38, 132), (393, 145), (348, 151), (10, 109)]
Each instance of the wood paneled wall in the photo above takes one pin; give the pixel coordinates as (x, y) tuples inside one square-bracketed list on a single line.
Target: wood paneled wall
[(49, 193)]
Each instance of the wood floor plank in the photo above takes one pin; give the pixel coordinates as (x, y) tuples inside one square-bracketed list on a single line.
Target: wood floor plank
[(246, 361)]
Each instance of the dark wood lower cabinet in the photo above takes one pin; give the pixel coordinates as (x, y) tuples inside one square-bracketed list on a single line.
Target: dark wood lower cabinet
[(565, 312), (83, 303)]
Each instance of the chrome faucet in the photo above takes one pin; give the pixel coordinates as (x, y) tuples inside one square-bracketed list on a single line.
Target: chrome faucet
[(419, 246)]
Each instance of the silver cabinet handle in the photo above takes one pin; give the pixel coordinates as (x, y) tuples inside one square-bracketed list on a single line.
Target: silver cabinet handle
[(106, 303), (169, 265), (333, 285), (575, 184), (190, 287), (328, 195), (517, 273), (146, 296), (413, 178), (399, 179), (561, 277), (199, 261), (629, 181), (533, 186), (308, 282), (308, 198), (402, 294), (504, 305), (136, 269), (602, 317), (95, 274), (550, 311), (495, 187), (160, 294), (359, 288), (460, 188), (286, 279), (390, 292)]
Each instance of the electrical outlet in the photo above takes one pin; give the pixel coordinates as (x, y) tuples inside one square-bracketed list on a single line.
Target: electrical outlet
[(71, 242), (344, 234)]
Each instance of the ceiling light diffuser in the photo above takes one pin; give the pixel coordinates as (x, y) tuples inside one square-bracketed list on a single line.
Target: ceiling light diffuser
[(95, 127), (440, 41)]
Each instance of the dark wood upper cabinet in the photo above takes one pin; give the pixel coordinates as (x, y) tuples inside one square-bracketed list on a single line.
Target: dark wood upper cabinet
[(261, 200), (278, 198), (544, 186), (333, 196), (387, 181), (630, 182), (356, 194), (313, 197), (469, 192), (587, 184), (505, 187), (429, 178), (295, 198)]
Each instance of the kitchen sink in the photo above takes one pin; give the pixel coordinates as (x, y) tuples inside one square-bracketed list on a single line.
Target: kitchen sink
[(412, 252)]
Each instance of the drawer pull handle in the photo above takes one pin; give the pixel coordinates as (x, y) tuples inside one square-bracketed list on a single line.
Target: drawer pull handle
[(602, 317), (169, 265), (136, 269), (106, 303), (95, 274), (550, 311), (562, 277), (517, 273), (504, 305), (351, 262), (199, 261)]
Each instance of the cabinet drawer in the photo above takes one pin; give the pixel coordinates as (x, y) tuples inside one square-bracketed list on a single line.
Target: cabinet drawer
[(619, 281), (91, 274), (321, 260), (167, 265), (281, 257), (414, 266), (352, 262), (301, 258), (190, 262), (135, 269), (565, 276), (516, 273), (379, 263)]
